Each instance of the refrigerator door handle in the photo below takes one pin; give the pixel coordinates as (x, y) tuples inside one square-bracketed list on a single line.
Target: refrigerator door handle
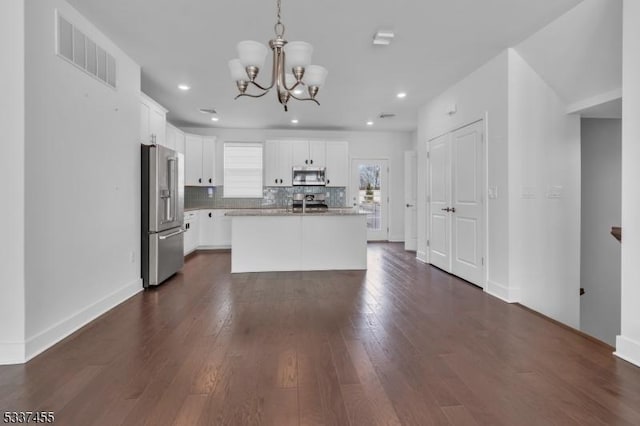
[(173, 234)]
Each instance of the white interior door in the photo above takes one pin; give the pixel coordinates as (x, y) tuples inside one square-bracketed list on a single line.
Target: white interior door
[(440, 202), (410, 196), (466, 226), (369, 183)]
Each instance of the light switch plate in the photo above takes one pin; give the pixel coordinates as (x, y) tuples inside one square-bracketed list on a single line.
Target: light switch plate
[(554, 191), (528, 192), (493, 192)]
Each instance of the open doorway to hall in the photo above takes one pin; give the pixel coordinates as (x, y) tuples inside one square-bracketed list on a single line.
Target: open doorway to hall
[(601, 178)]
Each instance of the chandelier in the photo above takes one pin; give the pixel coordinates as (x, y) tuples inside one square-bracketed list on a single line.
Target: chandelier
[(291, 71)]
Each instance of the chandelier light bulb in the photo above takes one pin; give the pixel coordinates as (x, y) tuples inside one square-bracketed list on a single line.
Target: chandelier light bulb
[(252, 53), (315, 76), (238, 73)]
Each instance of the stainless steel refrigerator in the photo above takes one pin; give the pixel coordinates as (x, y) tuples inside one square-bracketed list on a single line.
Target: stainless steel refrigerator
[(162, 213)]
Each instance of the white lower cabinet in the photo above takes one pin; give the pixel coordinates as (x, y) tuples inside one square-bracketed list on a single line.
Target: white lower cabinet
[(215, 229), (191, 231)]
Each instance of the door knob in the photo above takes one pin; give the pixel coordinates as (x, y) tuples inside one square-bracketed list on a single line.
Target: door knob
[(409, 205), (446, 209), (453, 209)]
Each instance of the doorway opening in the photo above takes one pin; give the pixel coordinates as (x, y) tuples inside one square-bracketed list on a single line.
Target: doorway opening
[(369, 184)]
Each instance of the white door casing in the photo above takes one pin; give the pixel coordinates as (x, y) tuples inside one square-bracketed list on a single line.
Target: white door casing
[(456, 212), (440, 200), (376, 204), (467, 200), (410, 201)]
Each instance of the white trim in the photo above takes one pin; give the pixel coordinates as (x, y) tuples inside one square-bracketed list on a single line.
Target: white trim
[(218, 247), (596, 100), (11, 353), (54, 334), (422, 256), (628, 350), (502, 292), (396, 238)]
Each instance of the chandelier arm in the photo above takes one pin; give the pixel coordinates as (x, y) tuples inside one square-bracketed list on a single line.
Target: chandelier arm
[(304, 99), (252, 96), (266, 89)]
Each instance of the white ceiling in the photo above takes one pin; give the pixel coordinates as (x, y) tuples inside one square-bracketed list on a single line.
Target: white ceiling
[(580, 54), (437, 43)]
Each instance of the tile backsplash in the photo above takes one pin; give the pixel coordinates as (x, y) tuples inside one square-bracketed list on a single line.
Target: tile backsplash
[(197, 197)]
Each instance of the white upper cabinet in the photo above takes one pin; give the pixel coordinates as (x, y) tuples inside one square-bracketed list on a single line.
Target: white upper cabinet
[(278, 161), (174, 138), (308, 153), (337, 163), (200, 160), (180, 141), (153, 121)]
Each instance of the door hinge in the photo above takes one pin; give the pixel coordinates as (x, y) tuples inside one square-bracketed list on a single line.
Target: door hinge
[(483, 261), (428, 243), (428, 198), (428, 155)]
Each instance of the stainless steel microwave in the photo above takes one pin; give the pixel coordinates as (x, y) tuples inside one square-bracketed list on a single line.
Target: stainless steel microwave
[(309, 176)]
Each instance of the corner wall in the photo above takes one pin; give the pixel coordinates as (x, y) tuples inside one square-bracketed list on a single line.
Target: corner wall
[(628, 342), (12, 165), (390, 145), (82, 183), (544, 207)]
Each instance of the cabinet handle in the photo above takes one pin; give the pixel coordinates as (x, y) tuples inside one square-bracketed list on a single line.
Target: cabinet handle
[(280, 180), (311, 161), (199, 180), (328, 181), (306, 161), (209, 214), (276, 181), (209, 180)]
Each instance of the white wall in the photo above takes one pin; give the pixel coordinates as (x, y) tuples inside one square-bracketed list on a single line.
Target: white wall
[(544, 232), (628, 343), (12, 122), (390, 145), (82, 183), (601, 153), (481, 95)]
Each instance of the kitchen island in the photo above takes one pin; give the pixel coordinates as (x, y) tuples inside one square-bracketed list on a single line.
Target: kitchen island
[(279, 240)]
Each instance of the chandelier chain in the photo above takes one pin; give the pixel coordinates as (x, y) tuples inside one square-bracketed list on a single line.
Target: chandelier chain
[(279, 26)]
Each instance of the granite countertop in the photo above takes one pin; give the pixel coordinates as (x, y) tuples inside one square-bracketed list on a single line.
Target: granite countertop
[(283, 212)]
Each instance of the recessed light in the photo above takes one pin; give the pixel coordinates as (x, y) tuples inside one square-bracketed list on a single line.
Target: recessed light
[(369, 123), (294, 121), (401, 95), (214, 119), (184, 87)]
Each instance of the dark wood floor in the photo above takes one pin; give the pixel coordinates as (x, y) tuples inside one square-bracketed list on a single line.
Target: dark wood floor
[(403, 343)]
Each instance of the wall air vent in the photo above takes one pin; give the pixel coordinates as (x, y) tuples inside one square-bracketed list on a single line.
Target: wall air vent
[(386, 115), (79, 50)]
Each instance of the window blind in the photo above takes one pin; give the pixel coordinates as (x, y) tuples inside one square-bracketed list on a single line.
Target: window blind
[(242, 170)]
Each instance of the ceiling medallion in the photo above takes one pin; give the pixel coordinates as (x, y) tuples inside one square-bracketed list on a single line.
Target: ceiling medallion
[(294, 56)]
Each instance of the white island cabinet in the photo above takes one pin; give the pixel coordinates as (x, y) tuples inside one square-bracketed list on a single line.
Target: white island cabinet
[(276, 240)]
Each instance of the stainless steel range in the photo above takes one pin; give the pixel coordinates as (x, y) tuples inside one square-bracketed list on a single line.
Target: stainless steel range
[(303, 203)]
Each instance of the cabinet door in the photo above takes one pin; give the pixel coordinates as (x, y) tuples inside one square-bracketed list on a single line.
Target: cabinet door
[(193, 160), (222, 229), (192, 234), (158, 122), (317, 155), (209, 161), (170, 137), (270, 163), (179, 141), (207, 227), (337, 163), (285, 162), (300, 156), (145, 124)]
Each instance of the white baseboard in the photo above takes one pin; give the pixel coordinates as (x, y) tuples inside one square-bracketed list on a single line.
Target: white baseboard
[(421, 256), (11, 353), (628, 349), (49, 337), (502, 292), (396, 238), (221, 247)]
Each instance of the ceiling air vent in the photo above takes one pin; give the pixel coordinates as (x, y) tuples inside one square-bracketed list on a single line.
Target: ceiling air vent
[(79, 50), (208, 111), (386, 115)]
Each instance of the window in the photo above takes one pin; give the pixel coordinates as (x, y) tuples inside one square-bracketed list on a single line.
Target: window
[(242, 170)]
